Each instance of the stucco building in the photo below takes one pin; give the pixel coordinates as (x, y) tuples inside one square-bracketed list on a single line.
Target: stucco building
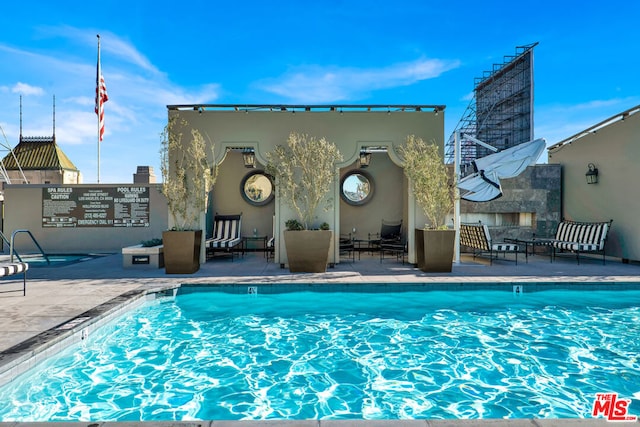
[(40, 160), (612, 147), (373, 130)]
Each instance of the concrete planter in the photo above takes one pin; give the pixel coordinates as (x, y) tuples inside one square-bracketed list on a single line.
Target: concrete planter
[(308, 250), (140, 257), (182, 251), (434, 251)]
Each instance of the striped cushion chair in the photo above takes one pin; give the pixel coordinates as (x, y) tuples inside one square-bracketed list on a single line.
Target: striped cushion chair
[(16, 268), (271, 248), (581, 237), (477, 237), (226, 235)]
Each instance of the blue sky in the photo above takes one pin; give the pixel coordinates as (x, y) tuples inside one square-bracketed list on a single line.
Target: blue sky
[(156, 53)]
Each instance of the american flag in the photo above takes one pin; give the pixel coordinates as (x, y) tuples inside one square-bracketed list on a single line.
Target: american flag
[(101, 96)]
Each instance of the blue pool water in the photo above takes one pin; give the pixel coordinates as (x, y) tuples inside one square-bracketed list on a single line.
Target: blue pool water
[(304, 355), (55, 260)]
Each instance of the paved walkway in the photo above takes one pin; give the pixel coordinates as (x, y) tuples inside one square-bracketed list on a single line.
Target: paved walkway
[(56, 295)]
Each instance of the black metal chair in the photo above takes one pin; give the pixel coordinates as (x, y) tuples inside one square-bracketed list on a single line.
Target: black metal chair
[(391, 240), (347, 247), (397, 247), (389, 231)]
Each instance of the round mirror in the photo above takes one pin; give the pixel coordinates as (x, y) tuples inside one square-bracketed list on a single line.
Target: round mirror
[(257, 188), (356, 187)]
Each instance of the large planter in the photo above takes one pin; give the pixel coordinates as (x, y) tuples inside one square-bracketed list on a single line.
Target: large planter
[(182, 251), (419, 242), (307, 250), (434, 250)]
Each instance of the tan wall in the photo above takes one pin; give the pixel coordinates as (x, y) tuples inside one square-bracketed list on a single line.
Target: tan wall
[(227, 198), (23, 210), (388, 201), (615, 151), (350, 130)]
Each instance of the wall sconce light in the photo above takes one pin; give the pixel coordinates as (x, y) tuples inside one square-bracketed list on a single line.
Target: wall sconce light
[(365, 159), (592, 174), (249, 157)]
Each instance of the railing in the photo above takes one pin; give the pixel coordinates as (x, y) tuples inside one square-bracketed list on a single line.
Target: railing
[(12, 249)]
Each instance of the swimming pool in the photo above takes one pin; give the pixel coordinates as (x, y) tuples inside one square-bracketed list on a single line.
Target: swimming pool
[(310, 355)]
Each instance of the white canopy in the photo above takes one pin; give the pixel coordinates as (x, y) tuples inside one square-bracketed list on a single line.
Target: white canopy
[(484, 184)]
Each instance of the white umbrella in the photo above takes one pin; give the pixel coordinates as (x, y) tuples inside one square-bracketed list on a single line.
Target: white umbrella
[(484, 184)]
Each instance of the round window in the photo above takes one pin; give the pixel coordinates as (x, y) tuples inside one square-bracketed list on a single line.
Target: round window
[(257, 188), (356, 187)]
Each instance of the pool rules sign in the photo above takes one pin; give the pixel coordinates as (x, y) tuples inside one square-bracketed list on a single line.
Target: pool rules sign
[(95, 207)]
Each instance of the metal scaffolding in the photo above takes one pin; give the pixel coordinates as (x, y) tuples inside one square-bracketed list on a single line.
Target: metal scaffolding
[(501, 111)]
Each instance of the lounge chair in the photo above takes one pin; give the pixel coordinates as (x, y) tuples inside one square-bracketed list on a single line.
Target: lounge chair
[(226, 235), (9, 269), (477, 237), (271, 242), (580, 238)]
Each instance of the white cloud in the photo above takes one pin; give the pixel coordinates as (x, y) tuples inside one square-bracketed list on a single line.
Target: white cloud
[(26, 89), (598, 104), (123, 49), (558, 122), (111, 44), (327, 84), (469, 96), (77, 127)]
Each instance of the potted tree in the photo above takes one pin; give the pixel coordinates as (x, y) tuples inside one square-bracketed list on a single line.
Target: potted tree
[(188, 175), (433, 191), (304, 170)]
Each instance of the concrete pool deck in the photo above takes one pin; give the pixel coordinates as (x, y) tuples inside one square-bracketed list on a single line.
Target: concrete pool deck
[(56, 295)]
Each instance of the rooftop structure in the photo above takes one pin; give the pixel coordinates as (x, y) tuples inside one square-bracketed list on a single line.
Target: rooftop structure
[(38, 153), (38, 159), (391, 108), (501, 111), (41, 157)]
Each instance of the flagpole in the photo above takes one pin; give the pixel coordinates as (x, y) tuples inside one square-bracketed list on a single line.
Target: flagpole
[(98, 102)]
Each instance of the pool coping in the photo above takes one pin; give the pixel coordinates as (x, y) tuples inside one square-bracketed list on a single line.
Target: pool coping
[(22, 357)]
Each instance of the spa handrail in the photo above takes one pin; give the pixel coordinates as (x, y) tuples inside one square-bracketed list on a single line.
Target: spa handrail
[(13, 251)]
